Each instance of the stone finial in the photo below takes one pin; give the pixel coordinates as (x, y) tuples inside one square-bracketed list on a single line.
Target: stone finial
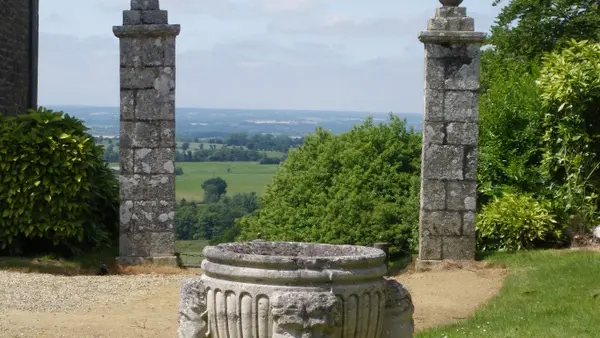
[(449, 3), (145, 5)]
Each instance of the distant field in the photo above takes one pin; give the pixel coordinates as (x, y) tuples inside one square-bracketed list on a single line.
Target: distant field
[(243, 177), (191, 251)]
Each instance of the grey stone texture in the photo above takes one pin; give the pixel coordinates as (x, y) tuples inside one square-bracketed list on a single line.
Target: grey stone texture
[(282, 289), (147, 133), (450, 135), (18, 56)]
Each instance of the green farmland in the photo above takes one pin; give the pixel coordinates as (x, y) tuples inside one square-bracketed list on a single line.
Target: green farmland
[(241, 177)]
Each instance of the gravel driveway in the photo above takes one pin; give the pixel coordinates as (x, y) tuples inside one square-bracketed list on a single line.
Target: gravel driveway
[(43, 305)]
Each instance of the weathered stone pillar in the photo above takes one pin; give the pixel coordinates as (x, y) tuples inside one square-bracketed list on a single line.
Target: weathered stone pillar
[(147, 137), (450, 133)]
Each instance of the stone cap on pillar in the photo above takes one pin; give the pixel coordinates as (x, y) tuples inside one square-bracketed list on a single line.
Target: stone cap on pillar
[(145, 18), (451, 25)]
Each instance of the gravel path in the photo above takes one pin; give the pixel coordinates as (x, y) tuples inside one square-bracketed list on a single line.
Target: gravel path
[(43, 305)]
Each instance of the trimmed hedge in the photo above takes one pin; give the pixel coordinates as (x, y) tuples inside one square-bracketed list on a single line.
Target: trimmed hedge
[(55, 188)]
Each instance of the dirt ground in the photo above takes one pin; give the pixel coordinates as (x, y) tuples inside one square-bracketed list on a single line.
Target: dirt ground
[(440, 297)]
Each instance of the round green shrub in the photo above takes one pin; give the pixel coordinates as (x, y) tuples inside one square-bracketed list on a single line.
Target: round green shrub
[(55, 189), (516, 221), (359, 187)]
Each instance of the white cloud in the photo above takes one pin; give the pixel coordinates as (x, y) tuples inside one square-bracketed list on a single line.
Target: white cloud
[(287, 5)]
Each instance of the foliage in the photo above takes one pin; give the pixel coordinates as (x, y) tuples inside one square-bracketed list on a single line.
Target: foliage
[(358, 188), (570, 86), (214, 220), (263, 142), (509, 130), (214, 188), (516, 221), (526, 29), (178, 171), (269, 160), (55, 190)]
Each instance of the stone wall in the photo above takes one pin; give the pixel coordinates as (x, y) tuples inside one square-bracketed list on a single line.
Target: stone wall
[(450, 135), (15, 56)]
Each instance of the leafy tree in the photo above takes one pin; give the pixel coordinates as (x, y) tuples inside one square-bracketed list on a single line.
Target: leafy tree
[(214, 188), (525, 29), (570, 85), (359, 187), (185, 146)]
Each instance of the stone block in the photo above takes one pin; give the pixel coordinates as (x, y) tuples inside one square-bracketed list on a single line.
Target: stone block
[(462, 133), (461, 106), (153, 105), (430, 247), (162, 243), (142, 134), (134, 244), (127, 104), (470, 163), (131, 187), (462, 74), (125, 160), (458, 248), (145, 5), (125, 213), (461, 195), (442, 162), (440, 223), (434, 105), (467, 24), (165, 81), (167, 134), (451, 12), (434, 74), (155, 17), (433, 195), (152, 216), (170, 49), (437, 24), (159, 187), (447, 51), (152, 51), (434, 132), (138, 78), (468, 228), (131, 53), (453, 24), (154, 161), (132, 17)]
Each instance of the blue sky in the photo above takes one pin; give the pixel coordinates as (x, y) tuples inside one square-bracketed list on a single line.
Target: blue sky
[(274, 54)]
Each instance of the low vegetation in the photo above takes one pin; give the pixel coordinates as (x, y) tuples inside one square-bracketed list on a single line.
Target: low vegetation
[(546, 294)]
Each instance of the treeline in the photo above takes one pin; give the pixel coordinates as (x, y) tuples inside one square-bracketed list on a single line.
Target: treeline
[(214, 218), (262, 142), (225, 154)]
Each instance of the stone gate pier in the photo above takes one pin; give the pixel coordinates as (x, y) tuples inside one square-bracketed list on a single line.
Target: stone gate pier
[(147, 135), (450, 135)]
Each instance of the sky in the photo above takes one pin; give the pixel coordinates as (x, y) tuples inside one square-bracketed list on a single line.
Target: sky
[(348, 55)]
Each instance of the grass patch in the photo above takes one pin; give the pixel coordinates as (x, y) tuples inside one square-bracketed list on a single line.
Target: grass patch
[(241, 177), (546, 294), (190, 252)]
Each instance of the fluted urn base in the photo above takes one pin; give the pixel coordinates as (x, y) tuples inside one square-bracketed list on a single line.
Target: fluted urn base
[(304, 290)]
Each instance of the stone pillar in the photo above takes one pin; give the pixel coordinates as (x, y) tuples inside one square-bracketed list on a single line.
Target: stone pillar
[(450, 134), (147, 136)]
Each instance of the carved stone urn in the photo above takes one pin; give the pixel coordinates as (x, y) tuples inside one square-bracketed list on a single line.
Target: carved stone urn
[(265, 289)]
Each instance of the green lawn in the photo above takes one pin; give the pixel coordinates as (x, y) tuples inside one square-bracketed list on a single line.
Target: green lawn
[(191, 251), (243, 177), (546, 294)]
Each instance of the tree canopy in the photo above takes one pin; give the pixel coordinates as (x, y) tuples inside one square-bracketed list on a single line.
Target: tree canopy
[(355, 188)]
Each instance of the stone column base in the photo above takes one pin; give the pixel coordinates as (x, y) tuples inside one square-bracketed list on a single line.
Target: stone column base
[(158, 260)]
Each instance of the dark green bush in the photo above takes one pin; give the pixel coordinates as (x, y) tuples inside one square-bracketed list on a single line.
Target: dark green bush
[(516, 221), (56, 192), (178, 171)]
